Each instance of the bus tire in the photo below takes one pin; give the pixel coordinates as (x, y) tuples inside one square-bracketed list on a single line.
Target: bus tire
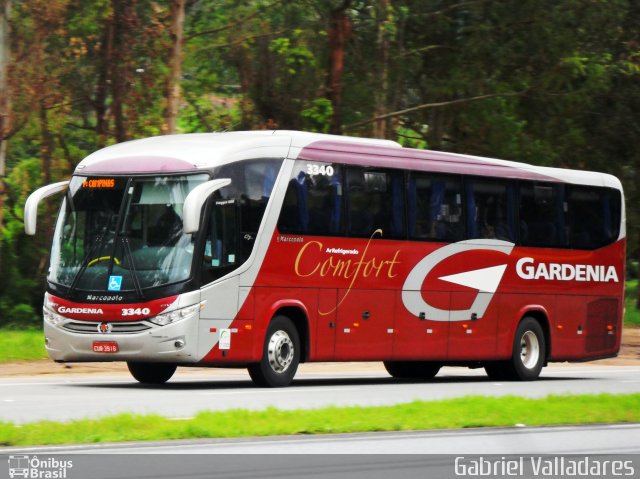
[(280, 355), (412, 369), (151, 373), (529, 352)]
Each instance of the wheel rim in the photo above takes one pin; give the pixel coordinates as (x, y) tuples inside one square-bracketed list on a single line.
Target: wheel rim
[(280, 351), (529, 350)]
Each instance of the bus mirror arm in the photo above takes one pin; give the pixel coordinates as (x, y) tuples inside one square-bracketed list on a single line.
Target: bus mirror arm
[(195, 200), (31, 206)]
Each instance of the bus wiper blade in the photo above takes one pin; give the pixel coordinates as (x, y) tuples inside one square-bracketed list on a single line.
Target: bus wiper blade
[(72, 208), (85, 260), (132, 266)]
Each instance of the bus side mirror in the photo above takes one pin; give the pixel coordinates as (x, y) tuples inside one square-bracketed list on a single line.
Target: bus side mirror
[(195, 200), (31, 206)]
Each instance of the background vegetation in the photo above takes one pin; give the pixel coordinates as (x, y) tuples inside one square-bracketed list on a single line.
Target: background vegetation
[(21, 345), (546, 82)]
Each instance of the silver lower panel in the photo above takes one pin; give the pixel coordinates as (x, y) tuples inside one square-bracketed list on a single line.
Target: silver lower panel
[(176, 342)]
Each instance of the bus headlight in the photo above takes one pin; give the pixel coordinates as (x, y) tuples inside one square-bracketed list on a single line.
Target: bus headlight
[(52, 317), (177, 315)]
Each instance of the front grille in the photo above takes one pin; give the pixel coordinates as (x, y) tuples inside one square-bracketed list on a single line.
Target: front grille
[(90, 327), (129, 327)]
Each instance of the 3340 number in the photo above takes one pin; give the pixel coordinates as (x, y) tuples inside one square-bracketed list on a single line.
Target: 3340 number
[(135, 311), (326, 170)]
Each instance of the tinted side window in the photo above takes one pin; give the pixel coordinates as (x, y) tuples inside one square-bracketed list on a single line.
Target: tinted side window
[(489, 208), (235, 214), (594, 216), (223, 244), (251, 185), (313, 200), (542, 212), (376, 201), (259, 178), (435, 207)]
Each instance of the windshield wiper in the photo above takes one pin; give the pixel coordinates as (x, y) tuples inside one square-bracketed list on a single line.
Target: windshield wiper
[(87, 257), (132, 266), (122, 233), (72, 209)]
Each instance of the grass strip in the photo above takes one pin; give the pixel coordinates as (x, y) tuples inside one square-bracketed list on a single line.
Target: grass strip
[(21, 345), (470, 411)]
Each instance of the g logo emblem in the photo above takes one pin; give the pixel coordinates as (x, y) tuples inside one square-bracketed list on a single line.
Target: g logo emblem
[(485, 280)]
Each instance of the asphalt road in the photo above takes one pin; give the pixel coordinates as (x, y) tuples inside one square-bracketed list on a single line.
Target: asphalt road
[(93, 395)]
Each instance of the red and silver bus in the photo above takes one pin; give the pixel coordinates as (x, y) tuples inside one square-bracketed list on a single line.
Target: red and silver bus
[(270, 248)]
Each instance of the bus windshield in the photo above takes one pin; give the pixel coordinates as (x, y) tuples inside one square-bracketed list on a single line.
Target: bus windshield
[(123, 234)]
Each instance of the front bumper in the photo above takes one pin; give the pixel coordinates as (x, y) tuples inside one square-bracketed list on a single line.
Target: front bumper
[(175, 343)]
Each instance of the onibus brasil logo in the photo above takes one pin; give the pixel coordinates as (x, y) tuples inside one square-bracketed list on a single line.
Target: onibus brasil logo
[(36, 468)]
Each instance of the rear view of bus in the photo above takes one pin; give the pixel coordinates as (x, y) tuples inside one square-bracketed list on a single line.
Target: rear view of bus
[(266, 249)]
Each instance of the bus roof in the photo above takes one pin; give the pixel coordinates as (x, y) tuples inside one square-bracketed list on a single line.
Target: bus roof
[(192, 152), (188, 152)]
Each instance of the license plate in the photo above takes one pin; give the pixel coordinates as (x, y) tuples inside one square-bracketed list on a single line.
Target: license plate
[(105, 347)]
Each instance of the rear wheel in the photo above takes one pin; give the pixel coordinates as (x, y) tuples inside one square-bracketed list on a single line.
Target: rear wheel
[(528, 354), (412, 369), (280, 356), (529, 350), (151, 373)]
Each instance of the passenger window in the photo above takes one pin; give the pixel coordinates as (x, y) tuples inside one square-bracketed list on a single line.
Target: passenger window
[(594, 217), (542, 213), (489, 214), (376, 201), (435, 207), (313, 200)]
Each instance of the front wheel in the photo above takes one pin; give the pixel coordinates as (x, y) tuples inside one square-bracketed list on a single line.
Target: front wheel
[(151, 373), (280, 356), (412, 369)]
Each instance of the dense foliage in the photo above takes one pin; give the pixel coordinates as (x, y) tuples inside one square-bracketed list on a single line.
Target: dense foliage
[(540, 81)]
